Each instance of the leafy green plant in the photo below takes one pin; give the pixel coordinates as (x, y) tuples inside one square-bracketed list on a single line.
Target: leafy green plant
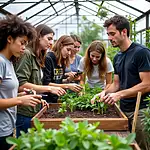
[(147, 119), (111, 52), (63, 108), (83, 102), (90, 31), (71, 136)]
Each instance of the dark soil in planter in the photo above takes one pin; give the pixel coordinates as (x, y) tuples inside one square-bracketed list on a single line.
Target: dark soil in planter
[(53, 113)]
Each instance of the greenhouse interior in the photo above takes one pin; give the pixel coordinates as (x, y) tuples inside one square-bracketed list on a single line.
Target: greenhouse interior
[(75, 74)]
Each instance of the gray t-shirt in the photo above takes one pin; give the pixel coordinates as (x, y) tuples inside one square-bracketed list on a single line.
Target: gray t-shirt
[(74, 66), (94, 80), (8, 89)]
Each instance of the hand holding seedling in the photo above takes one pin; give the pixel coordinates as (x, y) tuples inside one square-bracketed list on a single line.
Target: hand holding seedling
[(111, 98), (99, 97)]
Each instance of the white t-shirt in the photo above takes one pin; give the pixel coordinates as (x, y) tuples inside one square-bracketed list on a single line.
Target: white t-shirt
[(94, 80)]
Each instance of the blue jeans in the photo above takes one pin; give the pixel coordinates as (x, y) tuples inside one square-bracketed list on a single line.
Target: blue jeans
[(23, 123)]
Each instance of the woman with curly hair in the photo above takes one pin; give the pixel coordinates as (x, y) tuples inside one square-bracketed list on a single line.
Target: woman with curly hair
[(96, 66), (14, 36)]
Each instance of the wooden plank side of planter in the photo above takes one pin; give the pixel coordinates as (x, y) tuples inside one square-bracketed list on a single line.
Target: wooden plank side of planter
[(120, 113), (110, 124)]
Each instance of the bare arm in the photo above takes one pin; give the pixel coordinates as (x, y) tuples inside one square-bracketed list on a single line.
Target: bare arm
[(108, 80), (43, 88), (27, 100), (114, 87), (64, 86), (143, 87), (82, 81), (37, 88), (6, 103), (72, 86)]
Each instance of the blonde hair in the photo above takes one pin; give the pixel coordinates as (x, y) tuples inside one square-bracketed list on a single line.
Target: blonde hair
[(102, 65)]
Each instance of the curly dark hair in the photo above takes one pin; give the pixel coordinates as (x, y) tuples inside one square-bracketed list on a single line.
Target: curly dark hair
[(13, 26), (119, 22)]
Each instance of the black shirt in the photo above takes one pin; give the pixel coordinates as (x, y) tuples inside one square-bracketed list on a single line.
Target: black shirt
[(127, 66), (52, 73)]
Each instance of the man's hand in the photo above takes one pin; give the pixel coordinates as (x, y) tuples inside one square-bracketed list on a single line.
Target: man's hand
[(111, 98), (99, 97)]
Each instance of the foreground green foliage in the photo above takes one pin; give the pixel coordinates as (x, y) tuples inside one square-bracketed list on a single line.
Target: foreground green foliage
[(147, 119), (83, 101), (71, 136)]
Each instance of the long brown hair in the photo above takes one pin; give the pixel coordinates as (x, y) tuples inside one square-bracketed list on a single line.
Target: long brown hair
[(41, 30), (102, 65), (64, 40)]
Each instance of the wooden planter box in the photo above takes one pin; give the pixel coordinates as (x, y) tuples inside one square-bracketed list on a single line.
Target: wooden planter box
[(107, 124), (133, 145)]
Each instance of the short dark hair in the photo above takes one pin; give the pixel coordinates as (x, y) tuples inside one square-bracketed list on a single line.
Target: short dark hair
[(119, 22), (76, 38), (13, 26)]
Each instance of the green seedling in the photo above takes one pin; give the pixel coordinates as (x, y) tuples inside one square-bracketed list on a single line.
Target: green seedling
[(63, 108)]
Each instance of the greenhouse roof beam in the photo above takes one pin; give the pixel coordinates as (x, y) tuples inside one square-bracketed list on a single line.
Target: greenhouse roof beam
[(130, 6), (143, 15), (63, 20), (89, 13), (88, 8), (121, 9), (5, 12), (30, 7), (76, 7), (6, 3), (40, 11), (59, 15), (53, 7), (54, 14)]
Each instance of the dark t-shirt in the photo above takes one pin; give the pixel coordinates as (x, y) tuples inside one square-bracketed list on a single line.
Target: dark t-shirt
[(127, 66), (52, 73)]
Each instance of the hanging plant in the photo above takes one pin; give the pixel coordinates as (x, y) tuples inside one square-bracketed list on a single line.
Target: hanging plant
[(102, 12)]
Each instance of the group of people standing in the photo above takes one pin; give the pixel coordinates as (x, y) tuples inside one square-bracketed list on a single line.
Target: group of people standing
[(26, 63)]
